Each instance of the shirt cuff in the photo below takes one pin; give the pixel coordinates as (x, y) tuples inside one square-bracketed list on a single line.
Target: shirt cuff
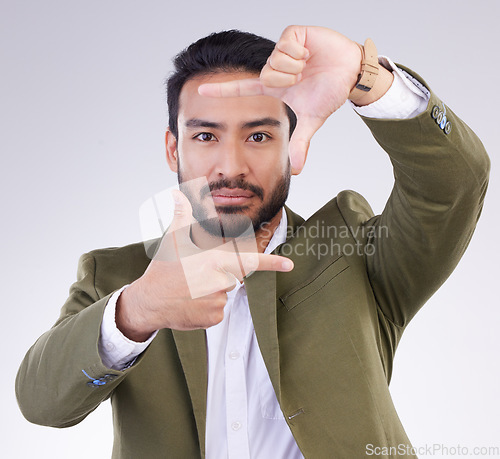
[(116, 350), (406, 98)]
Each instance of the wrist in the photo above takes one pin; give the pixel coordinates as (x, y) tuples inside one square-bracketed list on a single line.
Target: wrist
[(381, 86), (373, 79), (129, 316)]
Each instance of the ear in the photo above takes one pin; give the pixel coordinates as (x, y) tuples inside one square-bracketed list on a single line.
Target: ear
[(171, 147)]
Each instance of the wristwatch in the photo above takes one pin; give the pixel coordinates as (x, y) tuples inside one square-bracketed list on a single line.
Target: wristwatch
[(369, 70)]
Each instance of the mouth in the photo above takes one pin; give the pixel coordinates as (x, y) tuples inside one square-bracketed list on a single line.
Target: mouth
[(231, 197)]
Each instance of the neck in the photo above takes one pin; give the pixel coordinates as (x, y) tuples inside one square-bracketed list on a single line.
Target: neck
[(265, 233)]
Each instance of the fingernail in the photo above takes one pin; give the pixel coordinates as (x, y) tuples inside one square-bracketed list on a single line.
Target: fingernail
[(287, 265), (176, 198)]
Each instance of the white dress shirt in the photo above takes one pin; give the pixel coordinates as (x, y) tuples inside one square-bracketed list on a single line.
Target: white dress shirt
[(244, 419), (242, 408)]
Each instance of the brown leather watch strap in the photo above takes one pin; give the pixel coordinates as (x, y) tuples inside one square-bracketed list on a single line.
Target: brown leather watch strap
[(369, 70)]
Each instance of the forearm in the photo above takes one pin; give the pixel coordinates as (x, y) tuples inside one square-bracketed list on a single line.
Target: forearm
[(51, 386), (55, 382), (440, 182)]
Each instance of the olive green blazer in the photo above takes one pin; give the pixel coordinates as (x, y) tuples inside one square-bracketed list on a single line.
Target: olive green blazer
[(328, 330)]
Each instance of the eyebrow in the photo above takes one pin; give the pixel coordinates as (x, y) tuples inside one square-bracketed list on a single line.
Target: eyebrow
[(262, 122), (197, 123)]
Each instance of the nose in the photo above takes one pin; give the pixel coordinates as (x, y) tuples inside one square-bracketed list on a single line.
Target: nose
[(231, 160)]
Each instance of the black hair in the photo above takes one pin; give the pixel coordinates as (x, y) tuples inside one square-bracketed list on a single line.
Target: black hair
[(227, 51)]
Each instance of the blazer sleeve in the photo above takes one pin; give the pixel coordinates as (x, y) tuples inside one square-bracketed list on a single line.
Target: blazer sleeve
[(62, 379), (440, 182)]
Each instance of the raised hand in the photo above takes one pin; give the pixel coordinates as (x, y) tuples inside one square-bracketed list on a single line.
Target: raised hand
[(313, 70), (184, 287)]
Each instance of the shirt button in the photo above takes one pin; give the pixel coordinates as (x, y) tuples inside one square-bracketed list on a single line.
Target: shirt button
[(110, 346), (236, 425), (233, 355)]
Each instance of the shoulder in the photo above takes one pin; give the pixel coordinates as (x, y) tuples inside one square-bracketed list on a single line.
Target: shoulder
[(113, 267), (354, 207), (349, 205), (115, 255), (348, 209)]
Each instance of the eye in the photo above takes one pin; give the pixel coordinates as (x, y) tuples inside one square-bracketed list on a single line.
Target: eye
[(205, 137), (259, 137)]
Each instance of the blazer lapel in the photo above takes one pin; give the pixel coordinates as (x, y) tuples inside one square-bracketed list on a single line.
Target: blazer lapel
[(192, 345), (262, 299), (261, 293), (192, 349)]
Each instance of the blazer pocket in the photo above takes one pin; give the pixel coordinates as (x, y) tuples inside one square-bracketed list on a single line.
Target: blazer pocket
[(302, 292)]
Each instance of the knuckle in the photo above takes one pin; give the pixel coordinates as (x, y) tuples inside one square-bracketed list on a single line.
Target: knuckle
[(216, 317), (286, 45), (266, 80), (283, 63), (292, 80), (271, 79), (266, 74), (283, 43), (273, 60), (221, 300)]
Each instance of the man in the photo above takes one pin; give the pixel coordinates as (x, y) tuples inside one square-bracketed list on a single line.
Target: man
[(289, 353)]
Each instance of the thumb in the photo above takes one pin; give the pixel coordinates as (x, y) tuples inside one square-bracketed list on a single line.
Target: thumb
[(177, 239), (301, 138), (183, 216)]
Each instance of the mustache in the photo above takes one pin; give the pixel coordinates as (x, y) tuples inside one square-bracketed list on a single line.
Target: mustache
[(237, 183)]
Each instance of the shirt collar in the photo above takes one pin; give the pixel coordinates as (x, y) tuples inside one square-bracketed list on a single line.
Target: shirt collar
[(278, 238), (279, 235)]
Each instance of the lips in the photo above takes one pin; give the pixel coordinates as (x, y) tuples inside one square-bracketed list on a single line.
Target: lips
[(231, 196)]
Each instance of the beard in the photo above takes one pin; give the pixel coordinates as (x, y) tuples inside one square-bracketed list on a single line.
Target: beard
[(231, 221)]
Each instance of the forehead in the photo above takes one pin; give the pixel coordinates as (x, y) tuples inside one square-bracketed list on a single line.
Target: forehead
[(231, 110)]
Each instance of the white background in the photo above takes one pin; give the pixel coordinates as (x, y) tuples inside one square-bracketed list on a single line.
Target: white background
[(82, 123)]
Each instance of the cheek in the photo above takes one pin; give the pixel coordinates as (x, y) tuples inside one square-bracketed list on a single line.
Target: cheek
[(191, 164)]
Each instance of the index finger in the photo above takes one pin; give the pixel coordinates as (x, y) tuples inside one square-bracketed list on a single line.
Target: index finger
[(250, 262), (235, 88)]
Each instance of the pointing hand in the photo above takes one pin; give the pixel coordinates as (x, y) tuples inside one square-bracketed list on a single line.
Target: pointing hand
[(184, 287)]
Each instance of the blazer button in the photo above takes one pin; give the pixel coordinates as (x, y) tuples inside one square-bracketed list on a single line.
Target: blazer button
[(96, 383), (435, 112)]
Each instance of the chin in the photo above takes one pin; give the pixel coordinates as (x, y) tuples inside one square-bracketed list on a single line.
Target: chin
[(229, 224)]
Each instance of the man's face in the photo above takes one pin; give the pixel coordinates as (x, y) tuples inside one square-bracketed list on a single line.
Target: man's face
[(240, 144)]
